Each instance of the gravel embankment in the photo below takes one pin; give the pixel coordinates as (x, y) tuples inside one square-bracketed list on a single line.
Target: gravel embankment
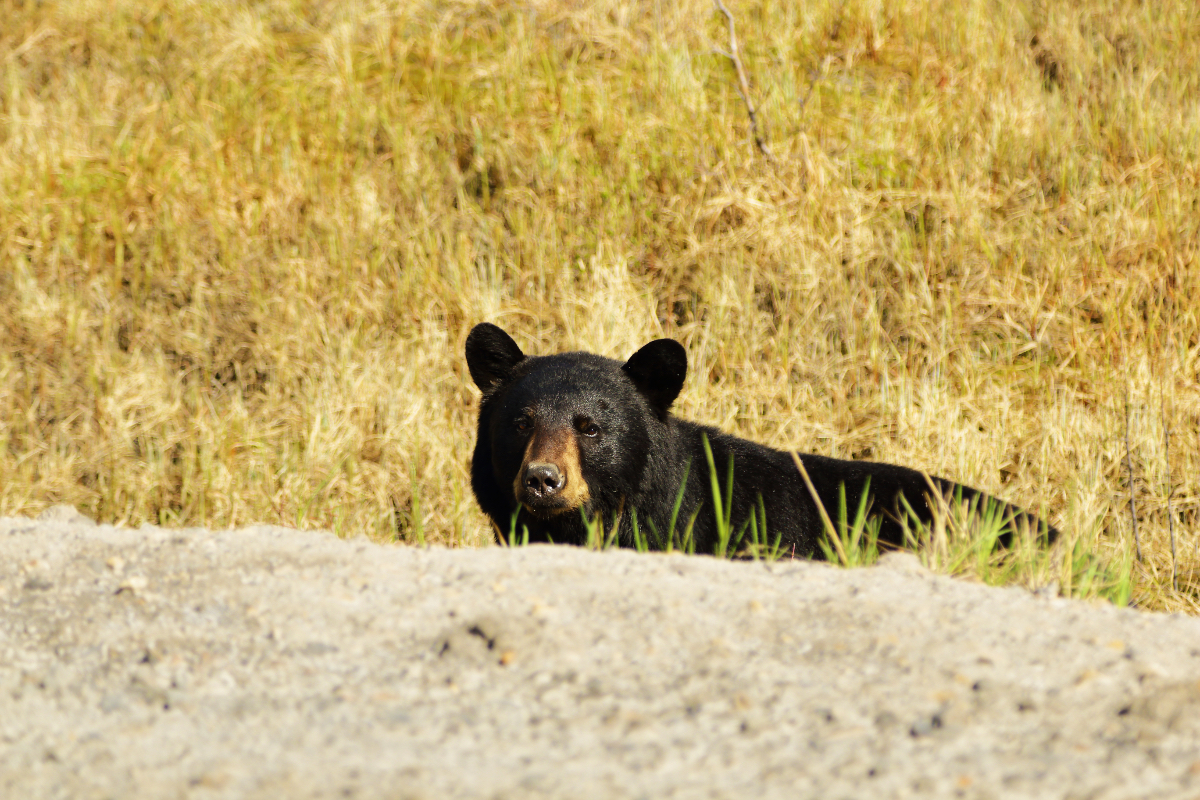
[(273, 663)]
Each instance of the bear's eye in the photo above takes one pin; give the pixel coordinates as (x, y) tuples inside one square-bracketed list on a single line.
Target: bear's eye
[(588, 428), (523, 424)]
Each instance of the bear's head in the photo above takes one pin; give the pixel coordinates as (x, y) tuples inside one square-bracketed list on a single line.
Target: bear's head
[(567, 435)]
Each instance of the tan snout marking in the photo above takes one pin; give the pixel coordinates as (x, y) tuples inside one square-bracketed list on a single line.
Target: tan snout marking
[(560, 448)]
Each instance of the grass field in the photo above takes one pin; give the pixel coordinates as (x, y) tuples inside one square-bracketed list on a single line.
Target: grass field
[(241, 246)]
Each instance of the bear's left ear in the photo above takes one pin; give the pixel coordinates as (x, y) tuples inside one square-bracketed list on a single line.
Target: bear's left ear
[(658, 371), (491, 356)]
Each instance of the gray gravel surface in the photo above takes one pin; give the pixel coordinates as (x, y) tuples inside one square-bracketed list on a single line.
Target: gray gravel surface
[(268, 662)]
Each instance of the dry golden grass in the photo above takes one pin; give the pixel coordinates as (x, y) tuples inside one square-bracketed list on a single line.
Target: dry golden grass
[(241, 246)]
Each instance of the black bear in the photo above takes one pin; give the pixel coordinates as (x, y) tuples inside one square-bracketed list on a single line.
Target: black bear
[(567, 438)]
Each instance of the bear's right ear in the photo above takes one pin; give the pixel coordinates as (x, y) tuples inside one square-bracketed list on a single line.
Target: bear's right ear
[(658, 371), (491, 356)]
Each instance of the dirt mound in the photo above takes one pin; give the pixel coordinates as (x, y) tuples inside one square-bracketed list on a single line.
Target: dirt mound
[(268, 662)]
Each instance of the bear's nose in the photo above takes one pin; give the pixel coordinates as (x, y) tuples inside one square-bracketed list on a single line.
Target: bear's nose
[(543, 480)]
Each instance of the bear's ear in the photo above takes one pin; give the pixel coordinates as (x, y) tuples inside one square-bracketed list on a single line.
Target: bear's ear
[(658, 371), (491, 356)]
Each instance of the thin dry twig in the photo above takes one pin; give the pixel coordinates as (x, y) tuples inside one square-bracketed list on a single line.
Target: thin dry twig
[(1137, 546), (817, 75), (814, 78), (743, 84), (1170, 516)]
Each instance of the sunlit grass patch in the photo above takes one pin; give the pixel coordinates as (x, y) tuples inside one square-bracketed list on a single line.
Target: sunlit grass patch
[(981, 541), (241, 246)]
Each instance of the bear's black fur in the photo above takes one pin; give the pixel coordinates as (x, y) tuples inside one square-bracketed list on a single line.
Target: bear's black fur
[(577, 434)]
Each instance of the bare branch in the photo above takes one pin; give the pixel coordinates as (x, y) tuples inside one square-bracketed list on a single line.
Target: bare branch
[(1170, 516), (1137, 546), (743, 84)]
